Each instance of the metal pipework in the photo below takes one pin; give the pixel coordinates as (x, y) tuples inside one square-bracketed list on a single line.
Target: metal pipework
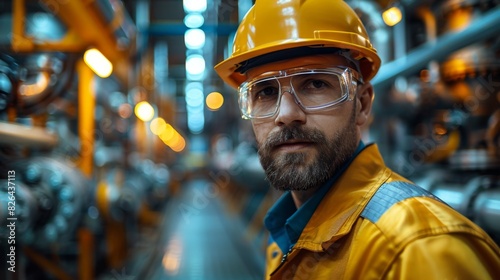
[(84, 18), (478, 199), (493, 133), (59, 194), (481, 29), (120, 194), (36, 137), (18, 196), (487, 210)]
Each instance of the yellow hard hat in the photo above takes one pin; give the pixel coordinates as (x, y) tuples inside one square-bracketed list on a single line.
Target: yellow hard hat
[(273, 26)]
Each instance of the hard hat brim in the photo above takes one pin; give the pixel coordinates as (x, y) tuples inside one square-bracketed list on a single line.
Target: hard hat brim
[(369, 60)]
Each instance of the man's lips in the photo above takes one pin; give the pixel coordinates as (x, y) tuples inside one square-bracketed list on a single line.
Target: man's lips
[(293, 145)]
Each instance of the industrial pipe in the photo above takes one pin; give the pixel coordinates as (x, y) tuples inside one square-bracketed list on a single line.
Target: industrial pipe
[(29, 136), (85, 19), (481, 29)]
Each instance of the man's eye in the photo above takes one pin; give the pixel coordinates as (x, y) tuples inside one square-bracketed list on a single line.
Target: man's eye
[(268, 91), (265, 93), (315, 84)]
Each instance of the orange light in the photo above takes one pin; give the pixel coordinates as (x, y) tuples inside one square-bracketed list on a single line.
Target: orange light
[(167, 133), (173, 256), (425, 76), (179, 145), (125, 110), (172, 138), (157, 126), (38, 87), (392, 16), (214, 101)]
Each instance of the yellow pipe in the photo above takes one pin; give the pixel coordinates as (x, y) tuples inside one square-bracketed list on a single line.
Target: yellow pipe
[(19, 41), (86, 106), (102, 198), (116, 240), (47, 265), (148, 216), (86, 256), (71, 42), (84, 18), (86, 28)]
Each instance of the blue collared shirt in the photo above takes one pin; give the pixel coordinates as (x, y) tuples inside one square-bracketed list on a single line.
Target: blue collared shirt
[(285, 222)]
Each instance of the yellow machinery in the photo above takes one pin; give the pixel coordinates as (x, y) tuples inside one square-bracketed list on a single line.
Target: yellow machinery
[(75, 219)]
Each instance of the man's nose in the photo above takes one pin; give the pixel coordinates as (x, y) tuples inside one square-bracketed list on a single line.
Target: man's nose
[(289, 111)]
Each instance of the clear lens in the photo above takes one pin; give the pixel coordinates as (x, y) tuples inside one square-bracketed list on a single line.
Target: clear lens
[(316, 89), (313, 90), (263, 97)]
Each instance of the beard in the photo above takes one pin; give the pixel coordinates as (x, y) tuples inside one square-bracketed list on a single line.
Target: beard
[(291, 170)]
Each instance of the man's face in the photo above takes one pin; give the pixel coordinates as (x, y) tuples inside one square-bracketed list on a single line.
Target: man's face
[(299, 150)]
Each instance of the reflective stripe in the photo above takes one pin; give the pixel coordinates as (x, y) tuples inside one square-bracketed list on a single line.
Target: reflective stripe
[(389, 194)]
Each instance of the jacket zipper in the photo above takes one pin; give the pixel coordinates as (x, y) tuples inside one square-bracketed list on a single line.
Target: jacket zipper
[(283, 260)]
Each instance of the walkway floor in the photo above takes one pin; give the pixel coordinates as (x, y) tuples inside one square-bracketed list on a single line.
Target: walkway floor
[(200, 240)]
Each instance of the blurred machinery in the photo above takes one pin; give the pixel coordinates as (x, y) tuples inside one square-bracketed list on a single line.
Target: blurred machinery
[(73, 180)]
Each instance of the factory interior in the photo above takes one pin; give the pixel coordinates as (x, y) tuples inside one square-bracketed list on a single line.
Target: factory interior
[(130, 159)]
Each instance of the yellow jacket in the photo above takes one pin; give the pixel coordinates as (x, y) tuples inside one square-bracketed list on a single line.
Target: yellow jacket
[(415, 238)]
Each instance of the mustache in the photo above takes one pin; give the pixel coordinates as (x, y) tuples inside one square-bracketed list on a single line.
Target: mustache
[(293, 132)]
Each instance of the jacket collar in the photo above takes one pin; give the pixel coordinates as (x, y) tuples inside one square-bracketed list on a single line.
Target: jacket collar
[(344, 202)]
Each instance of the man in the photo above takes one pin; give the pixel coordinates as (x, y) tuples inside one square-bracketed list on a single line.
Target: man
[(302, 69)]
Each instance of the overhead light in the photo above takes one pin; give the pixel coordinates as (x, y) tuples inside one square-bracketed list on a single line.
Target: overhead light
[(392, 16), (196, 123), (195, 64), (194, 20), (194, 98), (157, 126), (168, 133), (194, 39), (125, 110), (172, 138), (194, 6), (194, 107), (144, 111), (214, 100), (98, 63)]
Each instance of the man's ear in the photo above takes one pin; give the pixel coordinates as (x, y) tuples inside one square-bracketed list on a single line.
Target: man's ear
[(364, 99)]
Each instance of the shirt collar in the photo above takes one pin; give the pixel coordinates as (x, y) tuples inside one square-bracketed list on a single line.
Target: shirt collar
[(285, 222)]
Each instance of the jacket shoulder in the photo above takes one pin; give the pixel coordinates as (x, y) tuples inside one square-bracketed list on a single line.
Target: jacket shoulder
[(405, 212), (389, 194)]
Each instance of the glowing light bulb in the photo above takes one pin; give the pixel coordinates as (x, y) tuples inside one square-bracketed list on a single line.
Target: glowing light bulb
[(214, 101), (392, 16), (96, 61), (144, 111)]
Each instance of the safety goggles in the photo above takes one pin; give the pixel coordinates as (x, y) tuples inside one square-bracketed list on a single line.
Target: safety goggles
[(312, 89)]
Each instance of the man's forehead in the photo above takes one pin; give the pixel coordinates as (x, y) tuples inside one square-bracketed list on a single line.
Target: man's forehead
[(327, 60)]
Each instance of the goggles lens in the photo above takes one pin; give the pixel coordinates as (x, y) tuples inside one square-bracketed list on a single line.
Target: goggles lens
[(313, 89)]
